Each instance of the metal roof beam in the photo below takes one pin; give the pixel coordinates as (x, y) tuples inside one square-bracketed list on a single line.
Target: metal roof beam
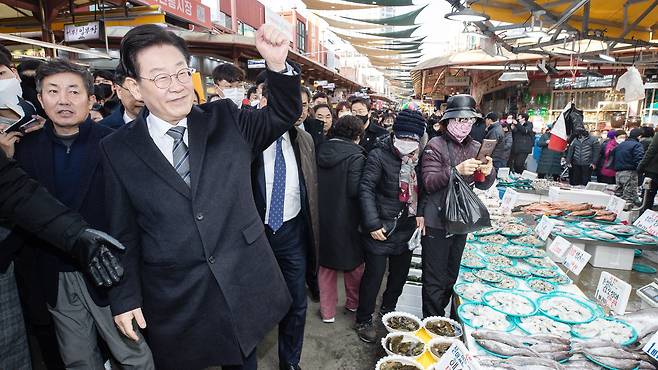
[(637, 20), (21, 4), (568, 13), (533, 6)]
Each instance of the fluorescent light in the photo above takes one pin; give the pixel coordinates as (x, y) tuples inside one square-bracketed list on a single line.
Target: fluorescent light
[(607, 58), (467, 15), (514, 76)]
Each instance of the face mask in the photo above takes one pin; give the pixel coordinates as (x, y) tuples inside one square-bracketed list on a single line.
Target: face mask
[(620, 140), (344, 113), (236, 94), (10, 90), (28, 81), (459, 130), (102, 91), (254, 103), (363, 119), (405, 147)]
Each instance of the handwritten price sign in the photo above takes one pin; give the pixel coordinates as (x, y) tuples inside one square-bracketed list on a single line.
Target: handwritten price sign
[(544, 227), (559, 247), (575, 259), (616, 205), (457, 358), (509, 200), (648, 222), (613, 292)]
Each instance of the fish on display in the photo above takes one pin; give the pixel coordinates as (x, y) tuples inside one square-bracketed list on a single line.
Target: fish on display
[(617, 363), (505, 349)]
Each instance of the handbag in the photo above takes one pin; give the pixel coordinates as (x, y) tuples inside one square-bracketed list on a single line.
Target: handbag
[(391, 226), (463, 211)]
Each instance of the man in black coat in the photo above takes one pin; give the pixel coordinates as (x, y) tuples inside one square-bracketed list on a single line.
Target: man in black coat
[(494, 131), (523, 140), (478, 130), (371, 132), (129, 107), (311, 125), (199, 270)]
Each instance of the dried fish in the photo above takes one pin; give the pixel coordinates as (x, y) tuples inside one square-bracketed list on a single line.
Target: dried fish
[(617, 363), (523, 361), (549, 338), (611, 352), (505, 349), (509, 339)]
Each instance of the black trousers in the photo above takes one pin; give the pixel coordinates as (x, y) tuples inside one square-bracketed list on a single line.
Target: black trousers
[(651, 193), (606, 179), (517, 161), (441, 259), (375, 268), (580, 175)]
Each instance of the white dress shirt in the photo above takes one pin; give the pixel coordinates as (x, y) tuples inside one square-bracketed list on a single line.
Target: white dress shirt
[(292, 203), (126, 118), (158, 130)]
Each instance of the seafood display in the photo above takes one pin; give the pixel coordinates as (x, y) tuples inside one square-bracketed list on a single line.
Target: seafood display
[(493, 238), (543, 325), (481, 316), (537, 253), (601, 235), (499, 261), (491, 248), (509, 303), (515, 271), (469, 276), (505, 283), (603, 329), (397, 363), (583, 213), (403, 345), (541, 286), (543, 262), (623, 230), (560, 279), (471, 292), (486, 231), (473, 263), (548, 347), (606, 216), (545, 272), (439, 348), (401, 322), (565, 309), (530, 240), (442, 327), (590, 225), (489, 276), (567, 231), (516, 252), (642, 238), (514, 229)]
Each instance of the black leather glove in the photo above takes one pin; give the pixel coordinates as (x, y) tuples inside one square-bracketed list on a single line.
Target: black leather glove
[(94, 250)]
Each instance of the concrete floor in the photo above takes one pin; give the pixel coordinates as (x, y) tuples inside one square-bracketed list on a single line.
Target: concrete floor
[(337, 347)]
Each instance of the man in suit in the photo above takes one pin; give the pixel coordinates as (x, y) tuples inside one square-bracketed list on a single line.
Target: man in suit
[(129, 107), (199, 271), (64, 157), (285, 191)]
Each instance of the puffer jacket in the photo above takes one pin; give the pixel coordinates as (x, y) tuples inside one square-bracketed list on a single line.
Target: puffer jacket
[(524, 138), (379, 197), (584, 152), (628, 155), (436, 164), (502, 149)]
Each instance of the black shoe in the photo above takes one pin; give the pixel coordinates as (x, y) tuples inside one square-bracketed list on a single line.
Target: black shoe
[(366, 331)]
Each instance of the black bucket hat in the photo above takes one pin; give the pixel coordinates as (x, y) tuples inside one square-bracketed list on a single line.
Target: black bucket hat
[(460, 106)]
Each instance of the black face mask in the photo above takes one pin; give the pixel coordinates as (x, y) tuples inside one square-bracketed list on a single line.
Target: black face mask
[(28, 81), (102, 91), (363, 119)]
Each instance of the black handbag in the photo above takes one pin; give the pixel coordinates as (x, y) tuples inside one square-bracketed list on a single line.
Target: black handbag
[(391, 226)]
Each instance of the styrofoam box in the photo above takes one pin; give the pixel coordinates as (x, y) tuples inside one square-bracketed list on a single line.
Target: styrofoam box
[(611, 257), (410, 300), (596, 198), (418, 251), (412, 289)]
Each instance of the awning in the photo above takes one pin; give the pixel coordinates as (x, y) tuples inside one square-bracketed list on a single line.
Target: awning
[(471, 57), (384, 2), (339, 22), (335, 5), (395, 34), (406, 19)]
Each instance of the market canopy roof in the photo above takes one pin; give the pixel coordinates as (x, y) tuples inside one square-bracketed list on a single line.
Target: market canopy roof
[(406, 19), (336, 5), (384, 2), (472, 57), (403, 34), (606, 15), (341, 23)]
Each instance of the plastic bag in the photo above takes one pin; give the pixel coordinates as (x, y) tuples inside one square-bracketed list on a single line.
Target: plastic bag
[(463, 212), (414, 242)]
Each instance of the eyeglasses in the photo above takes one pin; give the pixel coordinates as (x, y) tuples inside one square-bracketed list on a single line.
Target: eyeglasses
[(466, 120), (163, 80)]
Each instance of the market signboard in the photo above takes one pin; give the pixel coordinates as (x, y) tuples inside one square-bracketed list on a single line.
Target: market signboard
[(458, 81), (613, 292), (84, 31), (189, 10)]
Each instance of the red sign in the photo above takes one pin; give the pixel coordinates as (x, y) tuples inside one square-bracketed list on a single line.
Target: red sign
[(190, 10)]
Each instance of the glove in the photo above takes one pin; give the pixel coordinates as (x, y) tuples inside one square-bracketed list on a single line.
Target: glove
[(94, 250)]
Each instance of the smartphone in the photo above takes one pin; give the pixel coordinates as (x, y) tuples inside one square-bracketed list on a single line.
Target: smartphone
[(486, 149), (21, 125)]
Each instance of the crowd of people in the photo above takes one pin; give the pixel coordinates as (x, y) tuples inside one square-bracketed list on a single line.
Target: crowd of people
[(228, 214)]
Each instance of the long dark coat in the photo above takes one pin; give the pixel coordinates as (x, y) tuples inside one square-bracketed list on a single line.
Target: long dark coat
[(340, 165), (549, 160), (197, 259)]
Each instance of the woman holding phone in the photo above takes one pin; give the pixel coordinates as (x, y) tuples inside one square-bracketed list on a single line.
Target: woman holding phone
[(389, 195), (442, 253)]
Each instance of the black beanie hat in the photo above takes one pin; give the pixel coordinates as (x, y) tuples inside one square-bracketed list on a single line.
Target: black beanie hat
[(635, 133), (409, 123)]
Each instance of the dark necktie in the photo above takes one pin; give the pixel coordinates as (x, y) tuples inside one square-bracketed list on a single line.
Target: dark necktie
[(275, 219), (181, 153)]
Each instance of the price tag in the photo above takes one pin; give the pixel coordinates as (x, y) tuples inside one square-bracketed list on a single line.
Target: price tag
[(509, 200), (503, 173), (575, 259), (559, 247), (613, 292), (651, 348), (544, 227), (648, 222), (616, 205), (529, 175), (457, 358)]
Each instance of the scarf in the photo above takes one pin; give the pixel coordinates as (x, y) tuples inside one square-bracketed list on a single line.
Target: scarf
[(409, 181)]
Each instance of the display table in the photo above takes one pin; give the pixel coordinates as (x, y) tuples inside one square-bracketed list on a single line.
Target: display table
[(597, 198)]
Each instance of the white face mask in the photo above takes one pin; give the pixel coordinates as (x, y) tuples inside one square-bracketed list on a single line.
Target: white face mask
[(236, 94), (10, 90), (254, 103), (405, 147)]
